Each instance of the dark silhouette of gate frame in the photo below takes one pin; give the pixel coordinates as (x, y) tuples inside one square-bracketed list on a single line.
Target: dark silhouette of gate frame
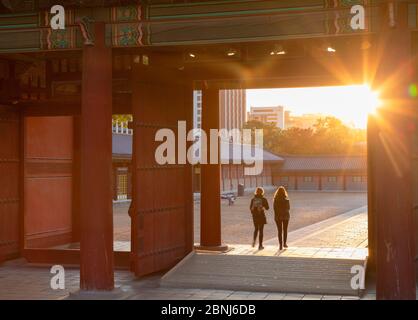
[(392, 227)]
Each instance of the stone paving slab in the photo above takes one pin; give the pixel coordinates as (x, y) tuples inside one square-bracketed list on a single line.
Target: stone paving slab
[(305, 252), (120, 246), (32, 283), (348, 230), (19, 280), (308, 207)]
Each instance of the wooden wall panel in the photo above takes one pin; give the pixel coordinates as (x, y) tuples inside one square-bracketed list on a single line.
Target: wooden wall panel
[(48, 181), (9, 183)]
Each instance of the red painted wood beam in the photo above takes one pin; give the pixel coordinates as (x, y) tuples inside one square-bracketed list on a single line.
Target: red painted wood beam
[(69, 107), (50, 108), (96, 220), (210, 202)]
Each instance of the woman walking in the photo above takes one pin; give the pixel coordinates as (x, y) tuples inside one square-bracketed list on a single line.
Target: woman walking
[(281, 206), (257, 207)]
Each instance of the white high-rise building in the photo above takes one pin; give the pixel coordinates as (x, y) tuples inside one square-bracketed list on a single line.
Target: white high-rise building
[(274, 115), (232, 105), (197, 109)]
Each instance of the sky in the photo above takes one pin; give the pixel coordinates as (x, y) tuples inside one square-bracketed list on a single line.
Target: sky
[(351, 104)]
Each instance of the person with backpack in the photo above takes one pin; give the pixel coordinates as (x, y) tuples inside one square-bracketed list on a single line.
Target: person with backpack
[(281, 206), (257, 207)]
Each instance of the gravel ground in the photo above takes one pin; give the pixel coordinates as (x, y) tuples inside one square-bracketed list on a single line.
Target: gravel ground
[(237, 227), (306, 208)]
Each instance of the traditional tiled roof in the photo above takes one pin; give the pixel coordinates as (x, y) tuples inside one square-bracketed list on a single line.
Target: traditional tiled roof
[(122, 149), (328, 163), (234, 151), (121, 146)]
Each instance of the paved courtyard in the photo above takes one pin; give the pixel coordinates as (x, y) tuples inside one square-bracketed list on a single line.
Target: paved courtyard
[(306, 208), (19, 280), (121, 222), (323, 224)]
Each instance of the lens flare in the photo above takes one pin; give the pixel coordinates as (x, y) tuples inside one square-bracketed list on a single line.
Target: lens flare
[(412, 90)]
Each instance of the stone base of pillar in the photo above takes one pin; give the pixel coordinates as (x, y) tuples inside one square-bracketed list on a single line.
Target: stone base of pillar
[(220, 249), (115, 294)]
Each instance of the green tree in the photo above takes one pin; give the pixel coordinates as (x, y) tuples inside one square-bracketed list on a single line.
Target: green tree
[(122, 117), (271, 133), (332, 136), (329, 135), (296, 141)]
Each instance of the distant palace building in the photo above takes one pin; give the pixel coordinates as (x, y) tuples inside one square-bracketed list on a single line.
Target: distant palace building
[(323, 172), (295, 172), (275, 115), (233, 174)]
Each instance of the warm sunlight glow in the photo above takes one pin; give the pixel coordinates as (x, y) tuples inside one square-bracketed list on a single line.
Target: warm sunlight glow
[(371, 100), (351, 104)]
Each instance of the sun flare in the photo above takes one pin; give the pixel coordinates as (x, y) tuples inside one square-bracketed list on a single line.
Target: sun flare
[(351, 104)]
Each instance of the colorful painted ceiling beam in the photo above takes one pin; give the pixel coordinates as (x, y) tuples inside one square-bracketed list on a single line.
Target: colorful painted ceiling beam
[(156, 23)]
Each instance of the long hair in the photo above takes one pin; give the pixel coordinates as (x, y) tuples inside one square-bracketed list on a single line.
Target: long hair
[(259, 191), (280, 193)]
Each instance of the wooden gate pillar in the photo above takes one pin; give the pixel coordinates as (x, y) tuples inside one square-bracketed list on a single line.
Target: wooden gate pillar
[(210, 202), (391, 161), (96, 260)]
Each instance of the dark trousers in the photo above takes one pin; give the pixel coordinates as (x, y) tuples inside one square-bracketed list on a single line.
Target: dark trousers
[(259, 229), (282, 230)]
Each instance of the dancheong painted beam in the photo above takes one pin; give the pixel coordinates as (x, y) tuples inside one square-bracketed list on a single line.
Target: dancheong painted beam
[(166, 23)]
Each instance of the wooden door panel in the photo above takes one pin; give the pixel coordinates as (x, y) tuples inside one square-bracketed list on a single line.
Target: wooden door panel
[(162, 194)]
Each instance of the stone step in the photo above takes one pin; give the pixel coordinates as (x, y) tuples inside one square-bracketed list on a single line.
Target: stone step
[(264, 273)]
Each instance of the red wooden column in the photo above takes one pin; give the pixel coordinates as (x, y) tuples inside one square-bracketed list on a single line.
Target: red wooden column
[(210, 202), (76, 178), (130, 181), (392, 158), (372, 137), (96, 268)]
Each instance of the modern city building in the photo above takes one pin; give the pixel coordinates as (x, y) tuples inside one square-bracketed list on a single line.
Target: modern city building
[(197, 109), (274, 115), (232, 106)]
